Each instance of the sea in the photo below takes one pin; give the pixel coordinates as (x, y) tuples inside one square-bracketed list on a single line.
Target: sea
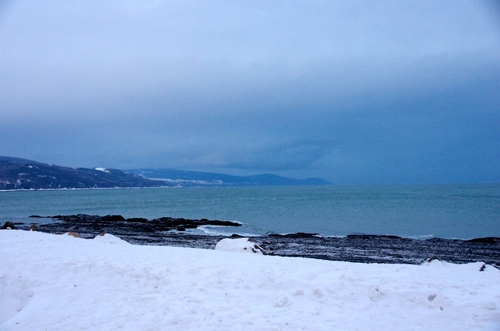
[(413, 211)]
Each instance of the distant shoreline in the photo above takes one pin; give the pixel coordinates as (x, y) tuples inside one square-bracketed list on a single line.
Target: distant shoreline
[(88, 188)]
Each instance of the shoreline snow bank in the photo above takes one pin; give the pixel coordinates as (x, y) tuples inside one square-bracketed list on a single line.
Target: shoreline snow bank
[(61, 283), (240, 245)]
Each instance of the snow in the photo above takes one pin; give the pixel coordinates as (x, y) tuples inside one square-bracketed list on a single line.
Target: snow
[(101, 169), (59, 282), (241, 245), (110, 239)]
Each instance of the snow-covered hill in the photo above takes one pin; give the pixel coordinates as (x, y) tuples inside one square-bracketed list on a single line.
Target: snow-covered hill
[(16, 173)]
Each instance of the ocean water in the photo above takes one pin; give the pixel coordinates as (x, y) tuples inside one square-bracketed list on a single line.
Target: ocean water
[(416, 211)]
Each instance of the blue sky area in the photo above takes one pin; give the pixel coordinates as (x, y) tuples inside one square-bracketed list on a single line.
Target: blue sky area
[(356, 92)]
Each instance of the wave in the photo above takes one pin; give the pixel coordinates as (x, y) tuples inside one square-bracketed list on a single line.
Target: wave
[(214, 230)]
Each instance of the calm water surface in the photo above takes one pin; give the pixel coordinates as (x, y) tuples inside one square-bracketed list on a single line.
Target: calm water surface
[(449, 211)]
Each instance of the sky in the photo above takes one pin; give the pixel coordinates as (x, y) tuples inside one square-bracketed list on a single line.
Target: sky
[(355, 92)]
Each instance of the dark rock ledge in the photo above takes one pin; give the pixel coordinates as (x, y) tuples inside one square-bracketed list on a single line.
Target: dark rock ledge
[(363, 248), (117, 223)]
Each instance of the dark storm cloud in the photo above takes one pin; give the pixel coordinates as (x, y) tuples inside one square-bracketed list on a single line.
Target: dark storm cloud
[(357, 92)]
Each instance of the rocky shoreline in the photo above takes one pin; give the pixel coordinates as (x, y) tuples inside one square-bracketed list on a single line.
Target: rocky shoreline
[(352, 248)]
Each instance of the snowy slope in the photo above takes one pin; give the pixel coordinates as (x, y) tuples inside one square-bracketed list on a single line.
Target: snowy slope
[(50, 282)]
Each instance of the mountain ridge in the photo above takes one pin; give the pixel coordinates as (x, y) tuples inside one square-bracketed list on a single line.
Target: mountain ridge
[(199, 178), (18, 173)]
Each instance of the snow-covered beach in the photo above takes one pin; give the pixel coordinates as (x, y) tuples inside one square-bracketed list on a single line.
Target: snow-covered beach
[(58, 282)]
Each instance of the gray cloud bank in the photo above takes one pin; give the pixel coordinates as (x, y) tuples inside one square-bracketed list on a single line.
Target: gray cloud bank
[(351, 91)]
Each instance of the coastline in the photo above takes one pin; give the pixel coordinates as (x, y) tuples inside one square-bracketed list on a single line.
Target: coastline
[(407, 211), (363, 248)]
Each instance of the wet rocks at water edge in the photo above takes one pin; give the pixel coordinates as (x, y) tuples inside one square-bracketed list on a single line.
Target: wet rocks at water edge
[(119, 224), (8, 226), (298, 235), (352, 248)]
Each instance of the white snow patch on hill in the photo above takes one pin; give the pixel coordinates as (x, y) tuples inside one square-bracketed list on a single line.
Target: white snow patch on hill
[(50, 282)]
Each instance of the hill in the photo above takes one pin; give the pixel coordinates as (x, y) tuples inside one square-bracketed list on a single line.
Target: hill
[(196, 178), (16, 173)]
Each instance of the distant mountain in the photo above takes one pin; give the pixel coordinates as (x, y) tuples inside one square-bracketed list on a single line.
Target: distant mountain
[(16, 173), (196, 178)]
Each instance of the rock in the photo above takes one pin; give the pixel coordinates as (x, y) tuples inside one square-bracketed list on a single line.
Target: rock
[(487, 240), (141, 227), (169, 223), (240, 245), (372, 236), (137, 220), (118, 223), (353, 248), (113, 218), (433, 258), (8, 226), (220, 223), (235, 235), (34, 227), (297, 235)]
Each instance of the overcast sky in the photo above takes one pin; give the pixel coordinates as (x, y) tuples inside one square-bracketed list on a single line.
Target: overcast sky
[(351, 91)]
